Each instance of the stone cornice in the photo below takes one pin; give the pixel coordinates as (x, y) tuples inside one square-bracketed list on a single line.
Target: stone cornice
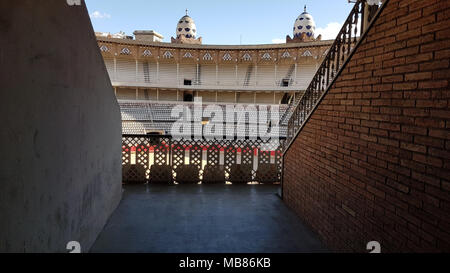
[(216, 47)]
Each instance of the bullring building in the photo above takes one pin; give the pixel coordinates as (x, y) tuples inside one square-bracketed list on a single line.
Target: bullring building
[(150, 77)]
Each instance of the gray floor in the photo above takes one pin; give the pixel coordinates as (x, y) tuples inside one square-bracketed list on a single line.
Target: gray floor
[(205, 218)]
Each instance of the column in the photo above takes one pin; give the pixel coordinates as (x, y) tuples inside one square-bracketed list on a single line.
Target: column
[(295, 73), (137, 70), (256, 74), (197, 76), (157, 71), (115, 68), (276, 68), (236, 75), (178, 77), (217, 76)]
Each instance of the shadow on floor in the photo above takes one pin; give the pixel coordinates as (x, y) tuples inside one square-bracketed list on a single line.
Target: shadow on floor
[(205, 218)]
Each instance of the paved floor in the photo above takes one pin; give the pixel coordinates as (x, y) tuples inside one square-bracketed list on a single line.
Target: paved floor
[(205, 218)]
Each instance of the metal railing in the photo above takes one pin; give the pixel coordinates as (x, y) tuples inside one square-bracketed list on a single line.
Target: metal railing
[(351, 33)]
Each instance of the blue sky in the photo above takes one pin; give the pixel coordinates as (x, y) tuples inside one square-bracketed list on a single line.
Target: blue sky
[(219, 22)]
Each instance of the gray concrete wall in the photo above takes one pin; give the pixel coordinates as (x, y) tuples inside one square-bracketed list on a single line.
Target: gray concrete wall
[(60, 166)]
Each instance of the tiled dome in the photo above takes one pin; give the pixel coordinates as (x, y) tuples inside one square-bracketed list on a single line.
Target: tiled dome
[(304, 24), (186, 26)]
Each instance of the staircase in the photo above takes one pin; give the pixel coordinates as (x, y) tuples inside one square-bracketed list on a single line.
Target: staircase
[(248, 75), (198, 76), (352, 32), (146, 68), (289, 74)]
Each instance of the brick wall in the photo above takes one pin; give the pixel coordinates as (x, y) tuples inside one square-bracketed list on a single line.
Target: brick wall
[(373, 162)]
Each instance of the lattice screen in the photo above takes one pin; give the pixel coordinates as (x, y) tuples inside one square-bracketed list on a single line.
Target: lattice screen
[(145, 151)]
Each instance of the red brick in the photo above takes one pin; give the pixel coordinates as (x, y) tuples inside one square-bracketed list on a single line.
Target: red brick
[(419, 58), (420, 40), (393, 78), (433, 84), (416, 112), (429, 141), (413, 16), (417, 94), (429, 122), (406, 68), (440, 113), (405, 86), (407, 51), (418, 76), (414, 130), (425, 20), (445, 134), (413, 147), (438, 26), (441, 74), (435, 64), (428, 160)]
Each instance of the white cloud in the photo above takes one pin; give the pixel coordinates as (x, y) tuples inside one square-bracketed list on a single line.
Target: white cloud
[(98, 15), (278, 41), (330, 31)]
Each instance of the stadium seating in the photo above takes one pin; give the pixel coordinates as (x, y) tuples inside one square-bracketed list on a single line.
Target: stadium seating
[(231, 75), (142, 117)]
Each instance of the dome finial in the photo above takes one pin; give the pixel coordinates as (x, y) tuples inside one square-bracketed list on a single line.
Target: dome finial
[(305, 8), (186, 12)]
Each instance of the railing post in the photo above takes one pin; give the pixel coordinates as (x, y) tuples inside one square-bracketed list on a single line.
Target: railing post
[(364, 15)]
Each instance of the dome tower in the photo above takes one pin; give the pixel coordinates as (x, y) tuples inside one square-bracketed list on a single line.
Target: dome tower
[(304, 24), (304, 29), (186, 32)]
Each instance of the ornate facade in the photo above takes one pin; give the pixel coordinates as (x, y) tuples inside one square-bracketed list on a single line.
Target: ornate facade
[(150, 76)]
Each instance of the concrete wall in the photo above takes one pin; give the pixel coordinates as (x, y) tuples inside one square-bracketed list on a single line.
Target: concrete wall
[(60, 170), (373, 162)]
